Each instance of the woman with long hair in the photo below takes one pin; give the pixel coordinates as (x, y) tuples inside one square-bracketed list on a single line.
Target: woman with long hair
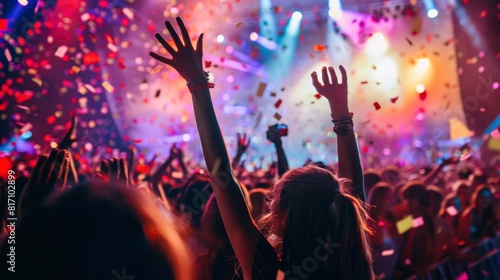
[(321, 221)]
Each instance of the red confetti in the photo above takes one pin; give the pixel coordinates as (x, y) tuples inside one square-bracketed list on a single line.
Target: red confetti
[(317, 95), (208, 64), (91, 58), (319, 48), (393, 100), (278, 103), (377, 106), (51, 120), (423, 95), (3, 24), (364, 82), (137, 140), (483, 13)]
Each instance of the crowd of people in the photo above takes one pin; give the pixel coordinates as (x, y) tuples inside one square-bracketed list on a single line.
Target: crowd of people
[(127, 218)]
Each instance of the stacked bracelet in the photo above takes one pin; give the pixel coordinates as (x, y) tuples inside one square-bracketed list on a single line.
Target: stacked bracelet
[(200, 84), (343, 127)]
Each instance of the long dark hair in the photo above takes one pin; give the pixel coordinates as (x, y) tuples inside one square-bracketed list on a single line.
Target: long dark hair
[(325, 228)]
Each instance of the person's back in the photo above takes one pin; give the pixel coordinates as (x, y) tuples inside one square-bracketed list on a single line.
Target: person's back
[(418, 252)]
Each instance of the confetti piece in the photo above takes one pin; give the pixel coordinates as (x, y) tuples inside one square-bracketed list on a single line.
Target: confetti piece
[(26, 127), (405, 224), (91, 58), (319, 48), (451, 210), (75, 69), (239, 24), (208, 64), (84, 17), (422, 95), (156, 69), (463, 276), (377, 106), (317, 95), (37, 81), (61, 51), (157, 93), (7, 54), (364, 82), (108, 86), (278, 103), (112, 47), (90, 88), (409, 41), (277, 116), (4, 24), (494, 144), (261, 89), (458, 130), (128, 13), (418, 222), (273, 94), (386, 253), (393, 100)]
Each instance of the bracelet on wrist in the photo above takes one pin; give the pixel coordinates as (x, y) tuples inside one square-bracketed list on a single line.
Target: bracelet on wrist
[(200, 86), (344, 126)]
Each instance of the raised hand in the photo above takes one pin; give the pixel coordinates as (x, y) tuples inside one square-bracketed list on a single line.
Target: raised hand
[(115, 171), (333, 91), (273, 134), (43, 180), (243, 143), (186, 60), (70, 136)]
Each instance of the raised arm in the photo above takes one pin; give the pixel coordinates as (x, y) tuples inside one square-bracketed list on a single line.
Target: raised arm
[(347, 146), (274, 136), (241, 229)]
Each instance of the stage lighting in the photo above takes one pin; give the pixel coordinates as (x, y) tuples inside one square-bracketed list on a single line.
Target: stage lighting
[(377, 44), (420, 88), (423, 63), (431, 9), (335, 9), (23, 2), (297, 16), (220, 38), (432, 13), (254, 36), (186, 137), (386, 72)]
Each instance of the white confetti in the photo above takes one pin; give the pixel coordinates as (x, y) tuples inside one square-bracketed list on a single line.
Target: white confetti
[(8, 55), (61, 51), (128, 12)]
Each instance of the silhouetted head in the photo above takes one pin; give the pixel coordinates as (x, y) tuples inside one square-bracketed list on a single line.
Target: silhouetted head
[(416, 196), (100, 232), (482, 198), (381, 199)]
